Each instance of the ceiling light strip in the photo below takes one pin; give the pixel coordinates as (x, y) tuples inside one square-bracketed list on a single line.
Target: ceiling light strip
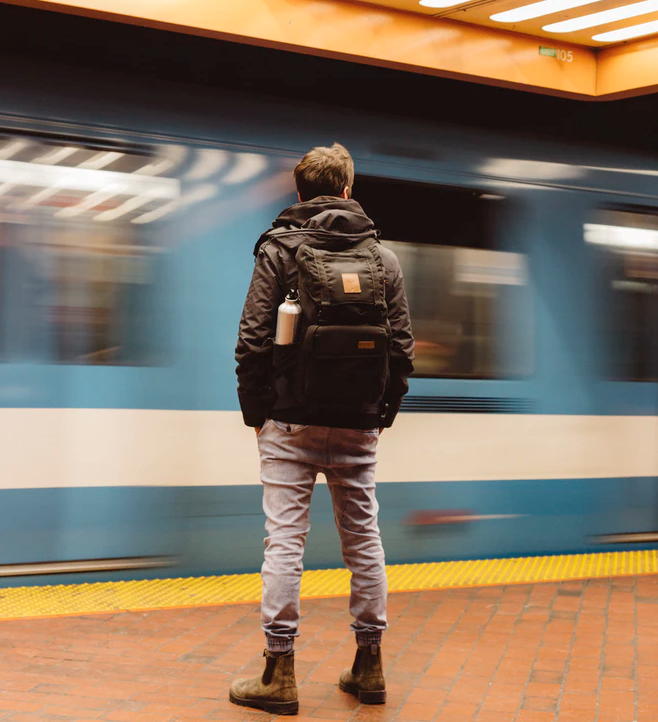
[(603, 18), (634, 31), (538, 10)]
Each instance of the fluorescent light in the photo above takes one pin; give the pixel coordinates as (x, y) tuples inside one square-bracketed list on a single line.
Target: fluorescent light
[(83, 179), (157, 167), (247, 166), (111, 189), (87, 177), (602, 18), (11, 149), (91, 201), (639, 239), (200, 193), (157, 213), (101, 184), (37, 198), (538, 10), (441, 3), (104, 194), (209, 161), (101, 160), (175, 154), (634, 31), (131, 204), (56, 155), (96, 162)]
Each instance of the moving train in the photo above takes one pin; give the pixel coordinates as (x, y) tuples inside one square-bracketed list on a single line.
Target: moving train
[(128, 217)]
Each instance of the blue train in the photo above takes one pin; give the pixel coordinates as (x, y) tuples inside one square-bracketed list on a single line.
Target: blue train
[(128, 216)]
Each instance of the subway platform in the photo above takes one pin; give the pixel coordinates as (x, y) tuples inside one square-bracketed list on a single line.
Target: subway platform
[(568, 647)]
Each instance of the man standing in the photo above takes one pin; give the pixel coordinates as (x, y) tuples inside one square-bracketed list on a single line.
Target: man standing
[(318, 404)]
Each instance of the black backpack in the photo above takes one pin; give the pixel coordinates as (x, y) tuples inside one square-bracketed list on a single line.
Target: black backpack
[(342, 355)]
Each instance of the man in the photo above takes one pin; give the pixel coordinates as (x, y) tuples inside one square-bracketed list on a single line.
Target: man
[(318, 405)]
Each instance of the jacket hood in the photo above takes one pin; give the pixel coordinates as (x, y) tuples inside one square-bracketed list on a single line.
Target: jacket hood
[(328, 220)]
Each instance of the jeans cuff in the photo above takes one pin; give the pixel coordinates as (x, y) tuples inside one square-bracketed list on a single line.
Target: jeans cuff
[(279, 644), (365, 639)]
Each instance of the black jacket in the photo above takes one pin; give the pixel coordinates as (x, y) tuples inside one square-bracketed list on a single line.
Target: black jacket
[(275, 274)]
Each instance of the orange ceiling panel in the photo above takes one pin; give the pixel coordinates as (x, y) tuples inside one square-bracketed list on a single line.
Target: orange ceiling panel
[(628, 69), (401, 34)]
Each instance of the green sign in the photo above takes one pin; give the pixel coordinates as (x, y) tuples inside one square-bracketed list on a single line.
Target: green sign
[(549, 52)]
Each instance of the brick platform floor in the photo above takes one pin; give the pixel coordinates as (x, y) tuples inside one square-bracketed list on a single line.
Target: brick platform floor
[(570, 652)]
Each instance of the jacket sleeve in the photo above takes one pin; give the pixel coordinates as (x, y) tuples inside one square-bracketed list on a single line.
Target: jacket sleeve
[(254, 349), (402, 348)]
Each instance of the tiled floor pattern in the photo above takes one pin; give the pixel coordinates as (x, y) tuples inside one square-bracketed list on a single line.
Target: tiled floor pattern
[(555, 652)]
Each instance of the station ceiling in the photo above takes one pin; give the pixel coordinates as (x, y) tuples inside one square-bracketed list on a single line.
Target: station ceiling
[(583, 22), (587, 49)]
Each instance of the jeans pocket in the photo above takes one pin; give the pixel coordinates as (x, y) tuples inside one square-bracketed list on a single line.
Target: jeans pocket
[(289, 428), (262, 428)]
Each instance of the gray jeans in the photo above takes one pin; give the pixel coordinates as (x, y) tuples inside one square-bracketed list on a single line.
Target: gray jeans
[(291, 457)]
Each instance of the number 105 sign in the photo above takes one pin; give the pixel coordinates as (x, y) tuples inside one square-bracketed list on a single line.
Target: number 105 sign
[(566, 56)]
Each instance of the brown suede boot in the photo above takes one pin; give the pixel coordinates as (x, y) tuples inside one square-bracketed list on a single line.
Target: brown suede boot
[(275, 691), (366, 678)]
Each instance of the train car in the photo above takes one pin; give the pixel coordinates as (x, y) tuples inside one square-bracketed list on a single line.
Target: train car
[(128, 217)]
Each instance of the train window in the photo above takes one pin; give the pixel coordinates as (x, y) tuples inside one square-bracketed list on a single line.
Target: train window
[(626, 252), (468, 294), (81, 249)]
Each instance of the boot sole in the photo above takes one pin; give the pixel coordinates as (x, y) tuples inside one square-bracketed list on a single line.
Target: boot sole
[(271, 707), (365, 696)]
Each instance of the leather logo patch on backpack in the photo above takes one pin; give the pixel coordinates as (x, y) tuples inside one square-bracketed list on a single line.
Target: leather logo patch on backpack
[(351, 283), (363, 345)]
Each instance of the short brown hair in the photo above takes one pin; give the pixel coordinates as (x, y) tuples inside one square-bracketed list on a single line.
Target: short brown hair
[(324, 172)]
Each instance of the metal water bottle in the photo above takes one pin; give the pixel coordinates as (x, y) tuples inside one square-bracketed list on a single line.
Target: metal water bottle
[(288, 319)]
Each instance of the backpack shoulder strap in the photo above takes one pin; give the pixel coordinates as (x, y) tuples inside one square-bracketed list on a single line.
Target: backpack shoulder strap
[(267, 238)]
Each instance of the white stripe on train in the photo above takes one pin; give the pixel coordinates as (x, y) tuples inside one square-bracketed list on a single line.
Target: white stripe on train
[(46, 448)]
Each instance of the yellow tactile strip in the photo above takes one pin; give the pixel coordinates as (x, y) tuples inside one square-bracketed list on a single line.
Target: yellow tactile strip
[(30, 602)]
